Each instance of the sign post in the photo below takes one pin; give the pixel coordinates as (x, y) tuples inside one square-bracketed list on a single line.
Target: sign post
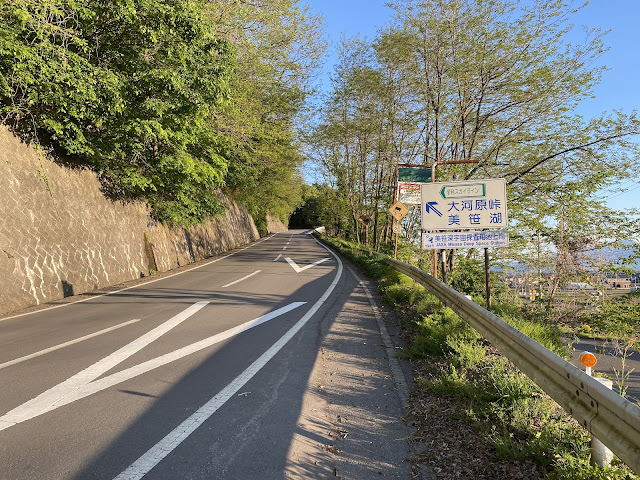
[(408, 179), (457, 210), (398, 211)]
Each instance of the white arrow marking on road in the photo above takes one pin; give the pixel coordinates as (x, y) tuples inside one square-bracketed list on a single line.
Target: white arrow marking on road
[(48, 400), (302, 269), (173, 439), (72, 389)]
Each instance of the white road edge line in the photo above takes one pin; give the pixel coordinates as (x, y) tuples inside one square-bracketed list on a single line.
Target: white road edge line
[(50, 399), (131, 372), (164, 447), (139, 285), (65, 344), (241, 279)]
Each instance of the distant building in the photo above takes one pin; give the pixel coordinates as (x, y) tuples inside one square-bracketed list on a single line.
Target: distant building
[(618, 283)]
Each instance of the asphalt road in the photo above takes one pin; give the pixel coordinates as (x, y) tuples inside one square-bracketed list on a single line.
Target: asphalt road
[(610, 356), (210, 373)]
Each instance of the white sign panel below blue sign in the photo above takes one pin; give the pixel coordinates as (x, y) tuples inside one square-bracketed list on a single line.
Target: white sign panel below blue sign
[(488, 239)]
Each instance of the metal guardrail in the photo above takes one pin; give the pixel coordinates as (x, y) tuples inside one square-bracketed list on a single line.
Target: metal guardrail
[(606, 415), (609, 417)]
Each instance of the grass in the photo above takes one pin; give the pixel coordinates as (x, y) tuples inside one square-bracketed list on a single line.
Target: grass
[(616, 318), (506, 409)]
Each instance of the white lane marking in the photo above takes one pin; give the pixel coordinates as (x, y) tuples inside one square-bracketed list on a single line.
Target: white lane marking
[(302, 269), (50, 399), (140, 284), (277, 258), (66, 344), (119, 377), (131, 372), (241, 279), (164, 447), (285, 247)]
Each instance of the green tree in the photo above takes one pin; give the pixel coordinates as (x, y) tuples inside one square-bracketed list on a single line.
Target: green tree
[(278, 45), (496, 82), (126, 87)]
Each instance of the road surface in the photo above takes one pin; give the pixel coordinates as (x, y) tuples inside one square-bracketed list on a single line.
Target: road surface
[(263, 364)]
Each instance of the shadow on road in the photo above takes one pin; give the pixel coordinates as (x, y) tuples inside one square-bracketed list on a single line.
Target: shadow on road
[(326, 391)]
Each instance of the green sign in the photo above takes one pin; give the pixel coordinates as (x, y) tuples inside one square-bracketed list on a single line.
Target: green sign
[(414, 174), (464, 190)]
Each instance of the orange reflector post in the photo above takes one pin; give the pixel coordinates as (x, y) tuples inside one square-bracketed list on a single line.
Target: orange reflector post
[(588, 359)]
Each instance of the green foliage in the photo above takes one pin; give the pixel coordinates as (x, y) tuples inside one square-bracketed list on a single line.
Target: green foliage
[(435, 330), (503, 405), (466, 353), (47, 78), (496, 82), (278, 47), (124, 87), (168, 100), (468, 277), (315, 208), (618, 318)]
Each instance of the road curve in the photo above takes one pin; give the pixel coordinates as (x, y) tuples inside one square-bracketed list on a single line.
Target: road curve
[(199, 375)]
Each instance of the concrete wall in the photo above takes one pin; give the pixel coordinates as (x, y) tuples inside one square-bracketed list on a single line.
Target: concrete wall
[(60, 236)]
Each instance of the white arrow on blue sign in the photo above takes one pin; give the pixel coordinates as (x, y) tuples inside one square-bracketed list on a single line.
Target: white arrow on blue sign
[(467, 205)]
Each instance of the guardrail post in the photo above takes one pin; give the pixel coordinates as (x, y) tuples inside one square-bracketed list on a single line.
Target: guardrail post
[(487, 278), (601, 456)]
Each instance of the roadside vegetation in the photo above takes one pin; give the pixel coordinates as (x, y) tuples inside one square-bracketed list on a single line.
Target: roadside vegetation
[(616, 318), (499, 84), (169, 101), (476, 414)]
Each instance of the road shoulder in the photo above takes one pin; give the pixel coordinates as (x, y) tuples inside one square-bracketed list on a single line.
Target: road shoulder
[(355, 400)]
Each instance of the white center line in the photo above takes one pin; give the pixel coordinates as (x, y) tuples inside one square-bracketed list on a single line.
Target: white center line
[(27, 410), (49, 400), (241, 279), (169, 443), (66, 344)]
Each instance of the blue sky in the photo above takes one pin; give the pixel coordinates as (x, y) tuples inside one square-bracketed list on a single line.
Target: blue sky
[(620, 86)]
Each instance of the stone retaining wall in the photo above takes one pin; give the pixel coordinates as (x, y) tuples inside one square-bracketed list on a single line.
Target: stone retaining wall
[(59, 235), (275, 225)]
